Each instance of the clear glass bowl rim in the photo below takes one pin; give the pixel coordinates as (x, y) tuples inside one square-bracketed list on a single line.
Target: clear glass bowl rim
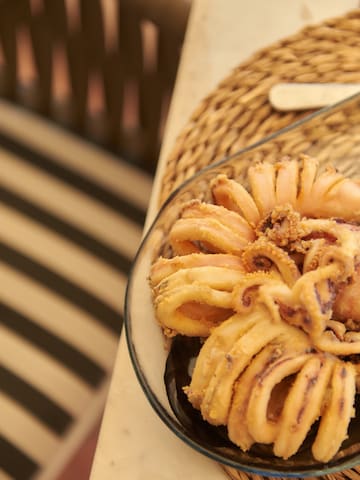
[(151, 397)]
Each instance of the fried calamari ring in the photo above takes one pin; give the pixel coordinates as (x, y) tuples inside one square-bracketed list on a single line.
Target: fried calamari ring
[(246, 292), (233, 196), (262, 428), (338, 411), (209, 228), (163, 267), (237, 426), (307, 304), (281, 358), (216, 347), (264, 255), (217, 397), (303, 404), (191, 301)]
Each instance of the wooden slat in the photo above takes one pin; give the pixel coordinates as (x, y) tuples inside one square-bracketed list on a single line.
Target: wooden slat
[(42, 43), (69, 204), (67, 322), (106, 169), (25, 432), (55, 378), (113, 95), (62, 256), (57, 17), (8, 43), (92, 27), (78, 75)]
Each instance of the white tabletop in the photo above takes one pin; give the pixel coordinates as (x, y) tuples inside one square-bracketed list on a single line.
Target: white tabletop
[(133, 442)]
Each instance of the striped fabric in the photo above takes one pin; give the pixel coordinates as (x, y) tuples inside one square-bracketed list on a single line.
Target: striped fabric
[(71, 218)]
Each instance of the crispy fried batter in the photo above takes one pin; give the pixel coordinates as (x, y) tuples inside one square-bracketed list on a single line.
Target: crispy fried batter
[(233, 196), (271, 276), (337, 413), (264, 255), (163, 267), (210, 286), (218, 394), (303, 404), (209, 228)]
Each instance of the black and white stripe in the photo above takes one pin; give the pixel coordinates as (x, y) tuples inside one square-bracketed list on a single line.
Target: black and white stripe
[(71, 219), (96, 247)]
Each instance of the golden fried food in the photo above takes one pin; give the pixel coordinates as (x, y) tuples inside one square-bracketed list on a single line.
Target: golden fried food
[(347, 303), (328, 195), (218, 394), (302, 406), (233, 196), (270, 277), (211, 227), (215, 348), (276, 353), (182, 296), (163, 267), (264, 255), (337, 413)]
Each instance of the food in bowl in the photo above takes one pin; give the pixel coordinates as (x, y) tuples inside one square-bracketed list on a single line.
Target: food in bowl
[(268, 278)]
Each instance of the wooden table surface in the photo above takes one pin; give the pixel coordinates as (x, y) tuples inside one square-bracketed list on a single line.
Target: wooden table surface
[(133, 443)]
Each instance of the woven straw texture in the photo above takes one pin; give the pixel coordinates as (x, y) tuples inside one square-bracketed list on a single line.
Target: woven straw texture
[(238, 113)]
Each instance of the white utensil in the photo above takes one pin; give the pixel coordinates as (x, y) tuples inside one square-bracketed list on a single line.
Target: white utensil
[(303, 96)]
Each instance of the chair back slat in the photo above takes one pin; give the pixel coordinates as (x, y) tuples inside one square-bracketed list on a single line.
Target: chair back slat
[(9, 52), (55, 11), (42, 52), (78, 76), (92, 28), (113, 97), (11, 15)]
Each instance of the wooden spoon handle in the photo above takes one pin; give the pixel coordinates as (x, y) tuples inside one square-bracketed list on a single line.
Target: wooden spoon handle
[(304, 96)]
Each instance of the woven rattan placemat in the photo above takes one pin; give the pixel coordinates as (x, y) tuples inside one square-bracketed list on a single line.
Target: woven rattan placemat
[(237, 113)]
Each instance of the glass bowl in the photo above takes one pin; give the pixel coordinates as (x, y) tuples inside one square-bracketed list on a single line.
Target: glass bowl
[(332, 135)]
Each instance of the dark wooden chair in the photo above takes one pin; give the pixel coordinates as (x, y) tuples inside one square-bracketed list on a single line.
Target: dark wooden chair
[(84, 90), (128, 54)]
